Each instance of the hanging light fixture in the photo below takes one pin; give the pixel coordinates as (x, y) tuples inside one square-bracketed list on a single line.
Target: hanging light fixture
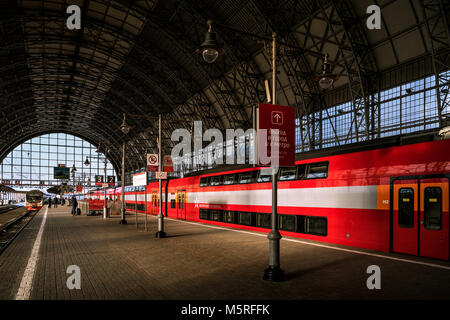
[(326, 78), (124, 126), (86, 163), (209, 47), (99, 149)]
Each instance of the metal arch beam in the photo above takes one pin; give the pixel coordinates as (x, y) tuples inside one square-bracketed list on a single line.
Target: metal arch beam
[(101, 136), (155, 84), (199, 97), (362, 64), (201, 68), (113, 31), (107, 120), (223, 97), (27, 121), (438, 29), (5, 152), (305, 92), (24, 119), (240, 70), (108, 54)]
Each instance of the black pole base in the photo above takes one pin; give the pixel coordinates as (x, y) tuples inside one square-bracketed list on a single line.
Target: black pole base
[(123, 221), (160, 234), (274, 274)]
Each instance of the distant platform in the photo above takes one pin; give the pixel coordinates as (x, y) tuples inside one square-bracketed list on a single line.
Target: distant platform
[(197, 261)]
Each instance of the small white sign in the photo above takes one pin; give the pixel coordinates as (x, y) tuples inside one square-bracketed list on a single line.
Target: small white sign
[(105, 185), (161, 175), (140, 179)]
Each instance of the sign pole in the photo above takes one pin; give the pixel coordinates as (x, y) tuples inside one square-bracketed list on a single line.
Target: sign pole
[(135, 206), (105, 207), (274, 272), (146, 207), (122, 210), (160, 233)]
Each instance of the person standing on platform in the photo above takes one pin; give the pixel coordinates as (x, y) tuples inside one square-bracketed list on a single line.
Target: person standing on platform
[(55, 202), (50, 202), (74, 206)]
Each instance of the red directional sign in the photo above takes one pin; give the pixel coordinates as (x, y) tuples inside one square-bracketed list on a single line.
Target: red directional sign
[(281, 118)]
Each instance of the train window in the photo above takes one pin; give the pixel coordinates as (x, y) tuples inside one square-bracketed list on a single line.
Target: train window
[(173, 203), (316, 226), (228, 217), (245, 218), (288, 174), (433, 208), (228, 179), (263, 178), (287, 222), (317, 170), (301, 171), (204, 182), (216, 181), (215, 215), (247, 177), (204, 214), (301, 224), (406, 208), (263, 220)]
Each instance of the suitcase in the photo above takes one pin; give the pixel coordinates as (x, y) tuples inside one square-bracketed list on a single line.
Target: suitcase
[(78, 211)]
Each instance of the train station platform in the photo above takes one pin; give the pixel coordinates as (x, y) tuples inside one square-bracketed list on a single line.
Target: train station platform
[(196, 261)]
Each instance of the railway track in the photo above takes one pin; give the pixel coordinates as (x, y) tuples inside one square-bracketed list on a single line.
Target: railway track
[(12, 227), (8, 208)]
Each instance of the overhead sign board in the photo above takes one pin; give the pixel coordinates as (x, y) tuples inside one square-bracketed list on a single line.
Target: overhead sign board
[(61, 173), (168, 164), (281, 118), (140, 179), (111, 180), (152, 162), (98, 180)]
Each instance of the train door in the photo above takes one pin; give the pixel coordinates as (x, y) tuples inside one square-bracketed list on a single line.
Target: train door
[(181, 204), (155, 204), (421, 217)]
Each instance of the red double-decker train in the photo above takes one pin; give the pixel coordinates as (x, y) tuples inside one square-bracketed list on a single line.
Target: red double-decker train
[(391, 199)]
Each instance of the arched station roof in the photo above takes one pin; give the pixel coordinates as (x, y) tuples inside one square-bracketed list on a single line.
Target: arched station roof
[(139, 57)]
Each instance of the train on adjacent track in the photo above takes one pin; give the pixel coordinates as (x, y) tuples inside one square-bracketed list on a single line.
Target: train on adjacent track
[(34, 200), (391, 199)]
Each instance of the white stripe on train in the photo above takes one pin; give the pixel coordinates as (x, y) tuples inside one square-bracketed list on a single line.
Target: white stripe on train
[(350, 197)]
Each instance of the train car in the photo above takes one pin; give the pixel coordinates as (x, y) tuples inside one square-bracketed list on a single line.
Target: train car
[(391, 199), (34, 200)]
